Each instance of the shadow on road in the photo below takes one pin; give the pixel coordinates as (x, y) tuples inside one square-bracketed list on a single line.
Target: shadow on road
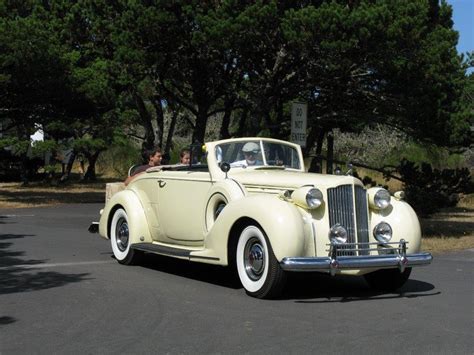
[(6, 320), (321, 288), (4, 220), (301, 287), (212, 274), (19, 275)]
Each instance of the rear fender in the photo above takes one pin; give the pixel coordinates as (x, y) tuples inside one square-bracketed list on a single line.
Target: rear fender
[(138, 224)]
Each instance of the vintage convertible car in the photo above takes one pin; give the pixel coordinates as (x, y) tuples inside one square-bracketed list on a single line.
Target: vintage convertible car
[(252, 206)]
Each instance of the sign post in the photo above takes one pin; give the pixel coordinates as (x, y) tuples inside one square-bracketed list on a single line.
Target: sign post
[(299, 112)]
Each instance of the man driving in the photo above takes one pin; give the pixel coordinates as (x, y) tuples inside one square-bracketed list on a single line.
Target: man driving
[(250, 151)]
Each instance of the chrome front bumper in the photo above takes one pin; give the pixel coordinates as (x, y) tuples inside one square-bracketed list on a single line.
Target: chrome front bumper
[(334, 262)]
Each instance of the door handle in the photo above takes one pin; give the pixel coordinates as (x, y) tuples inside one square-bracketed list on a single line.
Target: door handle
[(161, 183)]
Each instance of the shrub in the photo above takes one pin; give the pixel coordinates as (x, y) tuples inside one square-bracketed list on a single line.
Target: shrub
[(428, 189)]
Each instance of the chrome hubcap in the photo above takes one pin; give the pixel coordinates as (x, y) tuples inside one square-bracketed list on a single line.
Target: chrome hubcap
[(254, 259), (121, 234)]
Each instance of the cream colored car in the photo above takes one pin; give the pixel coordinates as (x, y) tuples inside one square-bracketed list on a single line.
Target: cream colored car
[(252, 206)]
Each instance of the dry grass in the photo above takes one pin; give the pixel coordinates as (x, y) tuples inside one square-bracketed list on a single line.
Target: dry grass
[(450, 229), (13, 195)]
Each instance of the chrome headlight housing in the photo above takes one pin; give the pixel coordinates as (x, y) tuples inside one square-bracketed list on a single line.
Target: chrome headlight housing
[(379, 198), (383, 232), (307, 197), (338, 234)]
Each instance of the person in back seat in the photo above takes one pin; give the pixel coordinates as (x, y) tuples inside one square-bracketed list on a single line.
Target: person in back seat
[(154, 159)]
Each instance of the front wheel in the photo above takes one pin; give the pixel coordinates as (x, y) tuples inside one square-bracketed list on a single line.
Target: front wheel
[(259, 271), (120, 239), (387, 279)]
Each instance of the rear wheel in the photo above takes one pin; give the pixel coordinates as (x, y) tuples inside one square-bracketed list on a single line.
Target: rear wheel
[(120, 239), (259, 271), (387, 279)]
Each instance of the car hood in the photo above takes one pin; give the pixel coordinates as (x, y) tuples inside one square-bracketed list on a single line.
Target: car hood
[(286, 179)]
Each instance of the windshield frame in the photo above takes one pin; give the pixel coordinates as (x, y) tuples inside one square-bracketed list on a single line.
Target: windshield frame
[(214, 162)]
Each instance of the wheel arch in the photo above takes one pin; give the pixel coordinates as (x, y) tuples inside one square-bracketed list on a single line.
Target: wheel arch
[(111, 216), (234, 234), (279, 220), (131, 204)]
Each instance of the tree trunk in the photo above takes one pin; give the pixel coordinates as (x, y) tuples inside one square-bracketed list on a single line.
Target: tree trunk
[(145, 116), (242, 121), (200, 127), (24, 170), (329, 162), (224, 131), (70, 162), (316, 165), (319, 142), (160, 120), (92, 159), (169, 139)]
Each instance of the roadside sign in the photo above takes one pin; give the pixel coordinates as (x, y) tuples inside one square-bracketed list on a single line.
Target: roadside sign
[(298, 123)]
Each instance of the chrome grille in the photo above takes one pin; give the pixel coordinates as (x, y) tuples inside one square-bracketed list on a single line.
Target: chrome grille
[(362, 217), (341, 210)]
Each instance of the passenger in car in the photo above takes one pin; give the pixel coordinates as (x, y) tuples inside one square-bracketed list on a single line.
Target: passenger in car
[(185, 156), (250, 150), (154, 159)]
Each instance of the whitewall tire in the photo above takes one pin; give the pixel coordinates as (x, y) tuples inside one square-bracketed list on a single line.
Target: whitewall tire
[(258, 269), (120, 239)]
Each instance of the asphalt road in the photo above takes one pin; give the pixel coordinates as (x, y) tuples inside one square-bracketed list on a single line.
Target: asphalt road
[(61, 292)]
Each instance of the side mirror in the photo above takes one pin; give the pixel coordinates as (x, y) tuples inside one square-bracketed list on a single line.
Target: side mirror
[(225, 167)]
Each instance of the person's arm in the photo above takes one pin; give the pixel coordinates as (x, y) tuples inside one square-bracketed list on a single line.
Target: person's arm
[(138, 171)]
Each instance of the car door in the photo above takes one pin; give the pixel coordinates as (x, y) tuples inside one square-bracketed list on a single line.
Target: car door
[(180, 206)]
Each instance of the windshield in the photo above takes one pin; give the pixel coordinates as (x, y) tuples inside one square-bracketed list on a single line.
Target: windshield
[(257, 153)]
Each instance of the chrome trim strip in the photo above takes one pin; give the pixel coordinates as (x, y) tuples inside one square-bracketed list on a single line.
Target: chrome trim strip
[(170, 251), (159, 249)]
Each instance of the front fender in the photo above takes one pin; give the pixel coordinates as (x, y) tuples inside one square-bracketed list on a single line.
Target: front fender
[(280, 220), (138, 224), (224, 191), (404, 222)]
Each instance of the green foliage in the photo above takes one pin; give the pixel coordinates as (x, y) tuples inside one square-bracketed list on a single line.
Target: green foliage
[(15, 145), (116, 160), (436, 156), (428, 189), (91, 68)]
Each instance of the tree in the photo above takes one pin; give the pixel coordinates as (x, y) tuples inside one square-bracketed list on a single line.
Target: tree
[(388, 62), (32, 79)]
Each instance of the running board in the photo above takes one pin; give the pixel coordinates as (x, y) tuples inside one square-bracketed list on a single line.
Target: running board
[(168, 251)]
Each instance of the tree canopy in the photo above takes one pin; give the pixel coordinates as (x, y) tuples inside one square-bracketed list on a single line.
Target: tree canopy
[(94, 70)]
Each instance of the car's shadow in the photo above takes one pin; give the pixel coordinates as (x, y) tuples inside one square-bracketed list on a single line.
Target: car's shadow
[(213, 274), (301, 287), (323, 288)]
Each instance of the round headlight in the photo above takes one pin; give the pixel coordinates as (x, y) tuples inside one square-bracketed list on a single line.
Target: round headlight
[(383, 232), (338, 234), (314, 198), (382, 199)]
